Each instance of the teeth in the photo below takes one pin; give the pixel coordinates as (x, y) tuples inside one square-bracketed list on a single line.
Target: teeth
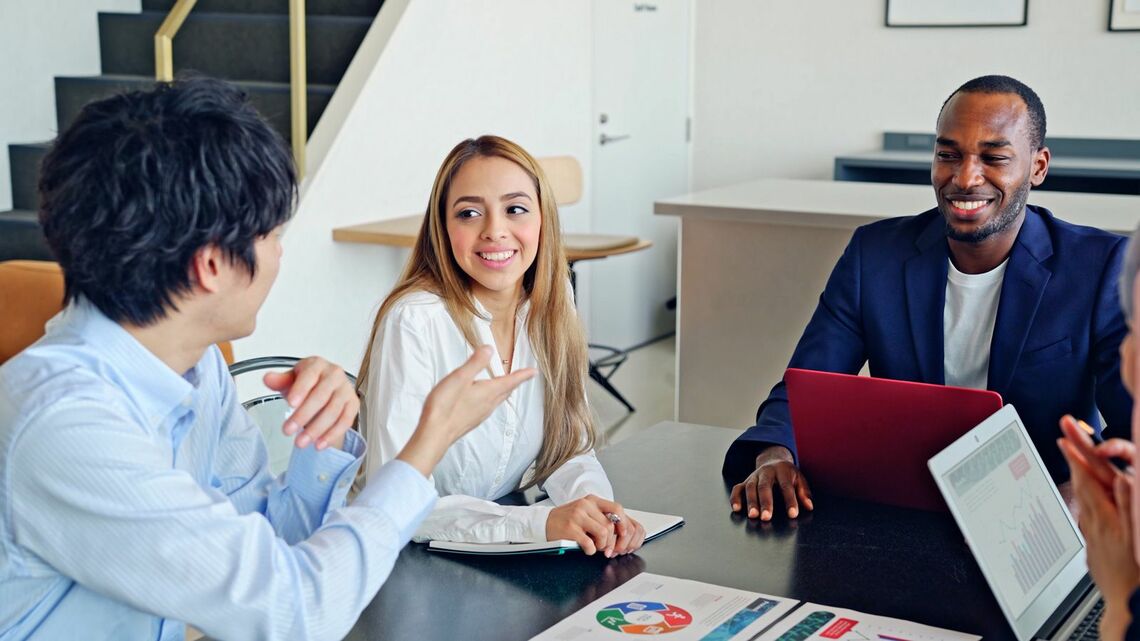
[(496, 256), (969, 205)]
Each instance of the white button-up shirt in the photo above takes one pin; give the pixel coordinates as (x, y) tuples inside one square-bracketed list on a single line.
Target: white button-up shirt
[(416, 345)]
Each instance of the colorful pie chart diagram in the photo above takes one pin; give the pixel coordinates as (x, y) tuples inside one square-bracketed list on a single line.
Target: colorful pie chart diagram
[(644, 617)]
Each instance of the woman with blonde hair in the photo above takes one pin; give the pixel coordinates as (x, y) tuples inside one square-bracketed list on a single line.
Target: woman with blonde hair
[(488, 268)]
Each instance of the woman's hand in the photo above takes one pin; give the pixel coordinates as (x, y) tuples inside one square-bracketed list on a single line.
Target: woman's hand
[(1104, 497), (630, 536), (587, 522)]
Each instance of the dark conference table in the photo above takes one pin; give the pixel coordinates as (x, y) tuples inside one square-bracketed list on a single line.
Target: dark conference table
[(874, 558)]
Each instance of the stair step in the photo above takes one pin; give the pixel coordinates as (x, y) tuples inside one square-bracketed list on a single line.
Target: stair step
[(312, 7), (25, 162), (232, 46), (20, 237), (270, 98)]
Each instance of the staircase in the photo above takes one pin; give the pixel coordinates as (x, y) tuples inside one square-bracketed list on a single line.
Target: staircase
[(244, 41)]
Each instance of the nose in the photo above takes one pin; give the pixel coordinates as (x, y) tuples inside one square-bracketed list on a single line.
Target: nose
[(968, 174), (494, 227)]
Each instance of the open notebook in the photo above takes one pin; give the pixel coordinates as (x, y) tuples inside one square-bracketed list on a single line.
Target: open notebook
[(655, 525)]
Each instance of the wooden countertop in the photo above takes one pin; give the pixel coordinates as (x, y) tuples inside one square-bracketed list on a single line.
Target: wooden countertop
[(849, 204)]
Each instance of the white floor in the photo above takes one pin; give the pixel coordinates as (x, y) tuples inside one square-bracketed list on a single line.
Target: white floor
[(648, 381)]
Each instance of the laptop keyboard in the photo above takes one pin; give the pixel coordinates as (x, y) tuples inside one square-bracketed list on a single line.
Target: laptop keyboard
[(1089, 627)]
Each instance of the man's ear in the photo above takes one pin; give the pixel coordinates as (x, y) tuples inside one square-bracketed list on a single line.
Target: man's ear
[(208, 268), (1040, 167)]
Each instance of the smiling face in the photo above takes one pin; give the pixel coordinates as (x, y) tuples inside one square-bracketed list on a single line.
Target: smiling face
[(984, 165), (493, 223)]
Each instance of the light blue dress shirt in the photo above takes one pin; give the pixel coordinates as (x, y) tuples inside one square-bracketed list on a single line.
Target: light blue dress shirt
[(133, 499)]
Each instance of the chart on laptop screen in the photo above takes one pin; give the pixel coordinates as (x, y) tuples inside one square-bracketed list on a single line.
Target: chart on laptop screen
[(1020, 531)]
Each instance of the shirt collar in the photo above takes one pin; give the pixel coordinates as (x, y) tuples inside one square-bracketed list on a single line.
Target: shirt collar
[(157, 389), (482, 314)]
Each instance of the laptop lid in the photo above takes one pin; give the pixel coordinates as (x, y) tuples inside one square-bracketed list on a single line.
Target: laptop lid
[(1013, 519), (870, 438)]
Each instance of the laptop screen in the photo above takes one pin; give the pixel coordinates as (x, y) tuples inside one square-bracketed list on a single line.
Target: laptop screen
[(1018, 528)]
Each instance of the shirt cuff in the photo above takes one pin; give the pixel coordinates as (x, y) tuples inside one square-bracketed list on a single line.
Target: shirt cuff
[(400, 492), (536, 516), (324, 477)]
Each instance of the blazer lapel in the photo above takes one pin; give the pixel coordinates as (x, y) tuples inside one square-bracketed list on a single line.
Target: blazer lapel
[(1021, 293), (925, 279)]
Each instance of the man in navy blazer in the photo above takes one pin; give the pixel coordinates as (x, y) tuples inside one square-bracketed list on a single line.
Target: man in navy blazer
[(982, 291)]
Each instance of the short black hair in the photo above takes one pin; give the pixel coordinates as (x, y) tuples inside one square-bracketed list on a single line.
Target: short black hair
[(142, 180), (1005, 84)]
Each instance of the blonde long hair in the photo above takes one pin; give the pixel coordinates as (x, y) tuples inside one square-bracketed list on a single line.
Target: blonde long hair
[(555, 334)]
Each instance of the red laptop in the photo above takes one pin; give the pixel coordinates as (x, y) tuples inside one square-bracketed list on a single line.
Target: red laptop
[(870, 438)]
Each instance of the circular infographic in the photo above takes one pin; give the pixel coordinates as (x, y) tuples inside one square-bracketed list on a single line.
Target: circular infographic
[(644, 617)]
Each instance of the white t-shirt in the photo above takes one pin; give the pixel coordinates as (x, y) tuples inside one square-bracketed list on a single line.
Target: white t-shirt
[(416, 345), (968, 325)]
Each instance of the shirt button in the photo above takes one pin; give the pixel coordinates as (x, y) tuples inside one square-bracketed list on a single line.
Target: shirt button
[(342, 483), (323, 478)]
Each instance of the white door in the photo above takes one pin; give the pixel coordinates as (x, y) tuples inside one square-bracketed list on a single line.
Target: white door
[(641, 106)]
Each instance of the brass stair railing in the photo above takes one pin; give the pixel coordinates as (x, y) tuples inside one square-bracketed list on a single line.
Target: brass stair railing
[(164, 67)]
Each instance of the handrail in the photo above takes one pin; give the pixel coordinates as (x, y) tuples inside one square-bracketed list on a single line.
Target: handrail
[(298, 84), (164, 40)]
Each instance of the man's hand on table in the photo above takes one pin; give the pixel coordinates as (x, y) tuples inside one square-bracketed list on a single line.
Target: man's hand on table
[(774, 466)]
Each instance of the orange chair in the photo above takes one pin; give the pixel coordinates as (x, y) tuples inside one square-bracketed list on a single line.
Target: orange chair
[(31, 292)]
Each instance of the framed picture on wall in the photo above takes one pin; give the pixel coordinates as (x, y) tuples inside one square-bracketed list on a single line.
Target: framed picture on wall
[(961, 13), (1123, 15)]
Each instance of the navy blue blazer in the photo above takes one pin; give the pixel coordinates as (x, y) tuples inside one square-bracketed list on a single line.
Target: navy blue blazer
[(1055, 343)]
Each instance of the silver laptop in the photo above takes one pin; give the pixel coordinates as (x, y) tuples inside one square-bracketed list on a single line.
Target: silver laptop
[(1021, 533)]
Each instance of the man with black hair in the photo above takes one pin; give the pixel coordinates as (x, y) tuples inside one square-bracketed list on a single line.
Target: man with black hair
[(135, 489), (982, 291)]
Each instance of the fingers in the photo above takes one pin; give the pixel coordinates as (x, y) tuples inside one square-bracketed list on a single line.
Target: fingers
[(760, 497), (1122, 492), (327, 402), (638, 539), (1117, 448), (737, 495), (1084, 450), (479, 359), (624, 531), (803, 490), (787, 483), (278, 381)]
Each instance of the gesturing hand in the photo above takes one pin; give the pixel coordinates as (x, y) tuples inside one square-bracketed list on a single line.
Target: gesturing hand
[(455, 406), (774, 466), (323, 400)]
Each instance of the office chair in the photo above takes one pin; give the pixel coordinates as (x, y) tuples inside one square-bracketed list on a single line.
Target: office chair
[(31, 292), (270, 410), (565, 176)]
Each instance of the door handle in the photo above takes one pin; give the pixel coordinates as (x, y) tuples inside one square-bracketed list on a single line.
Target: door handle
[(603, 139)]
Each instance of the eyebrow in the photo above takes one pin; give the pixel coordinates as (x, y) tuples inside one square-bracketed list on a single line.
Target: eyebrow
[(479, 201), (988, 144)]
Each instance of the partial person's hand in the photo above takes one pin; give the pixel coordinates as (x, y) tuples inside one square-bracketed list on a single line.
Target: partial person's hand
[(324, 402), (456, 405), (1106, 523), (630, 536), (586, 522), (774, 466), (1097, 457)]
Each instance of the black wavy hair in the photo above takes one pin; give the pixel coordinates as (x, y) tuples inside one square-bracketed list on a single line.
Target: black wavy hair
[(142, 180), (1005, 84)]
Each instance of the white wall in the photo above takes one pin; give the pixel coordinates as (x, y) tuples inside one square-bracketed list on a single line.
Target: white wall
[(451, 70), (781, 88), (38, 41)]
